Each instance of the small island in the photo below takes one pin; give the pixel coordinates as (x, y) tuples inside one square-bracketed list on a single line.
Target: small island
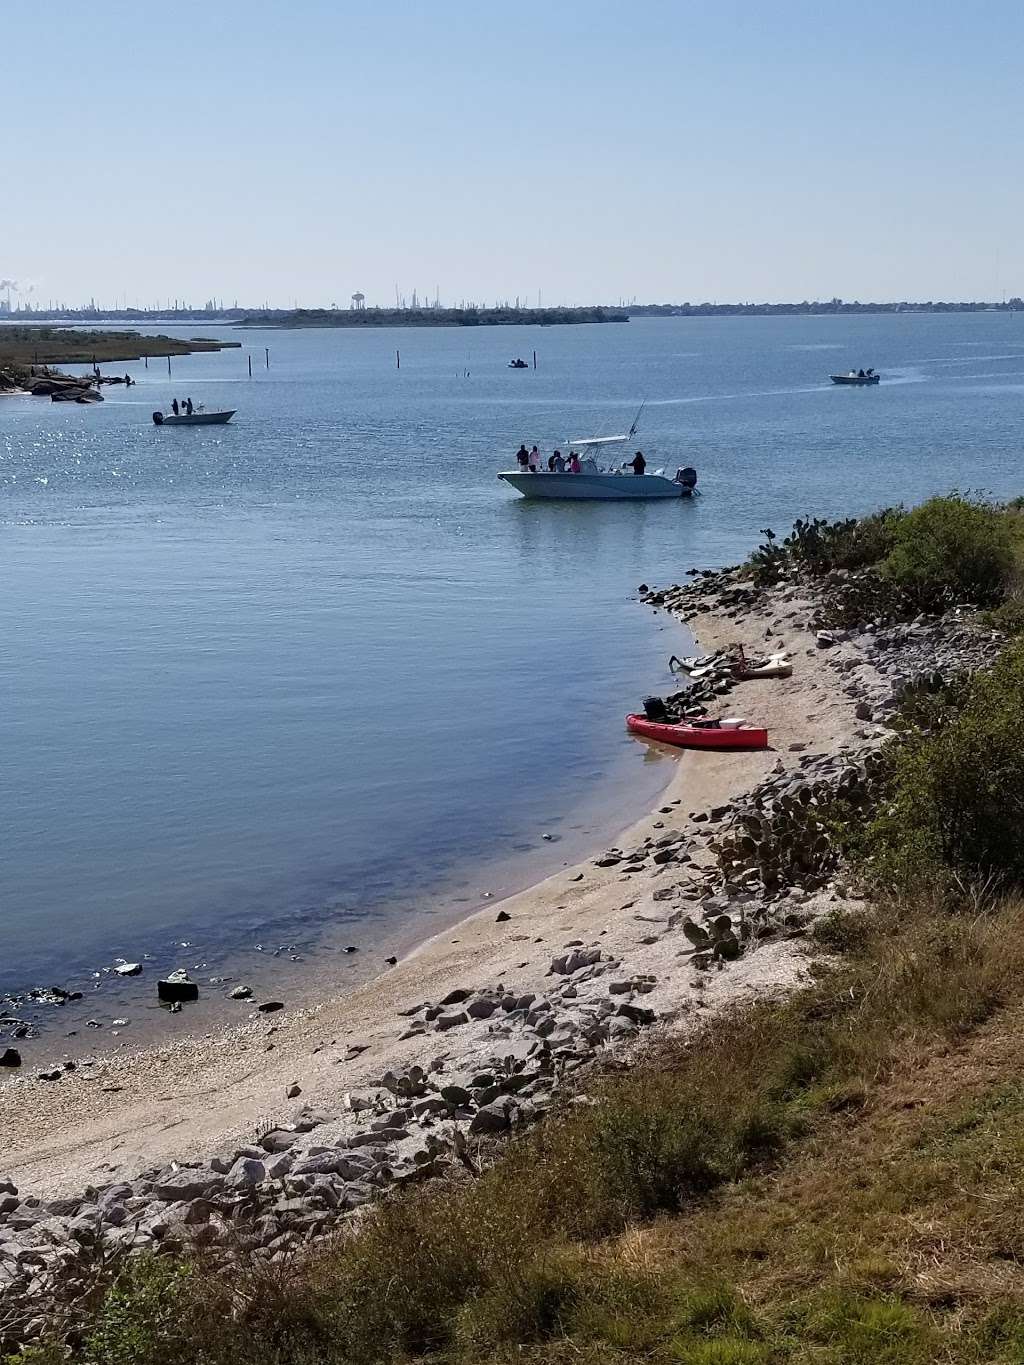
[(26, 354), (431, 317)]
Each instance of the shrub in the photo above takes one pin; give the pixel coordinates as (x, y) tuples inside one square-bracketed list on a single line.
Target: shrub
[(956, 816), (952, 548), (143, 1314)]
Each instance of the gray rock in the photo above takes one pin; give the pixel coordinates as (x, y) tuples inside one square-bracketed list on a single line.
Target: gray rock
[(457, 996), (447, 1021), (575, 961), (10, 1057), (279, 1166), (241, 993), (129, 969), (495, 1117), (382, 1136), (278, 1140), (637, 1014), (186, 1184), (481, 1009), (245, 1173)]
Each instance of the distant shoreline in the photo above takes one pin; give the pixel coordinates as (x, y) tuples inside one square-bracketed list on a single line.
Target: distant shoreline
[(432, 317), (491, 317)]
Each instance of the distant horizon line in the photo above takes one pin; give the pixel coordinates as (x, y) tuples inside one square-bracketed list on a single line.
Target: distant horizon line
[(26, 313)]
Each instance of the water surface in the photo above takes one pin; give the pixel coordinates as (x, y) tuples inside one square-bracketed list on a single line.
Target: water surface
[(317, 677)]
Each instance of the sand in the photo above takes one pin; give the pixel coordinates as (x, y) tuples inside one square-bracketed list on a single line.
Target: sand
[(204, 1095)]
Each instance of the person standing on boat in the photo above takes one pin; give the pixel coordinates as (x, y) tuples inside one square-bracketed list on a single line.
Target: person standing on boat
[(574, 462), (638, 462), (188, 407), (523, 458), (557, 463), (174, 407), (534, 460)]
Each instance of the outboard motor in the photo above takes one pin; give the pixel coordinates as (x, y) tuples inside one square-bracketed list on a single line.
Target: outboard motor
[(158, 418), (687, 477), (654, 709)]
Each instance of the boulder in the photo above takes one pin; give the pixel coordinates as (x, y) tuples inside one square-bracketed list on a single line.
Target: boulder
[(10, 1057), (495, 1117), (246, 1173), (177, 988)]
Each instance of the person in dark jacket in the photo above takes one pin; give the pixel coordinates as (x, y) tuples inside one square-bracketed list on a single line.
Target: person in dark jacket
[(638, 462)]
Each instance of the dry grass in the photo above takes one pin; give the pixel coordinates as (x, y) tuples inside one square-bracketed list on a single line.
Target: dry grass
[(836, 1179)]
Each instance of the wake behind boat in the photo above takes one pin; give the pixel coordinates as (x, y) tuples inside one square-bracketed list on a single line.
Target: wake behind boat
[(197, 418)]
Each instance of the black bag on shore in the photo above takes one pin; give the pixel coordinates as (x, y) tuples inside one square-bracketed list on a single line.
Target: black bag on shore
[(654, 709)]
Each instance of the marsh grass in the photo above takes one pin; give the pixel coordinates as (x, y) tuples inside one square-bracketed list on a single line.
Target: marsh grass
[(776, 1190)]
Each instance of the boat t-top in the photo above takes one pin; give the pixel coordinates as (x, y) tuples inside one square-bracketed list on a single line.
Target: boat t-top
[(592, 482)]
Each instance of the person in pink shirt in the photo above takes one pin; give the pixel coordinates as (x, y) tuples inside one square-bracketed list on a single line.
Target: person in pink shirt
[(574, 462), (534, 460)]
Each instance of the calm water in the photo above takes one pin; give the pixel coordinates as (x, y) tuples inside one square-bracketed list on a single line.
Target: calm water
[(318, 678)]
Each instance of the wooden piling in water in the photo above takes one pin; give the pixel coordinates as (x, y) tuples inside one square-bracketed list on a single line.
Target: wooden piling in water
[(266, 352), (398, 360), (250, 364), (535, 360), (168, 367)]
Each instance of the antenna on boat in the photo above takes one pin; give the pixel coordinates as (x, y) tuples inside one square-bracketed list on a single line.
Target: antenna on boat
[(636, 419)]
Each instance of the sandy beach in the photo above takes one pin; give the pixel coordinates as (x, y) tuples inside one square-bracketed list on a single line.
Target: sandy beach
[(184, 1102)]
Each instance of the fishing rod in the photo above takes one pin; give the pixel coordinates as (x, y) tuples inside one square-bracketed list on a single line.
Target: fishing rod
[(636, 420)]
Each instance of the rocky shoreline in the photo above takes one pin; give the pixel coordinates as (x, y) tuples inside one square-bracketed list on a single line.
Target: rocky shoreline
[(700, 907)]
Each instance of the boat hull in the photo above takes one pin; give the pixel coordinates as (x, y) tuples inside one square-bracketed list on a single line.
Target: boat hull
[(697, 736), (594, 487), (197, 419), (855, 379)]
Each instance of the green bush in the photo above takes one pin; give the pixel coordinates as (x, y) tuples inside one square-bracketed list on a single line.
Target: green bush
[(143, 1318), (952, 548), (956, 815)]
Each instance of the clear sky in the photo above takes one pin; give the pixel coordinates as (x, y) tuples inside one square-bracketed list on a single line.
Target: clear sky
[(299, 150)]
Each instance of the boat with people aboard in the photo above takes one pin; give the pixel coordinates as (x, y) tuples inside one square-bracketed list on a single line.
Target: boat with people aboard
[(857, 377), (518, 364), (198, 417), (578, 477)]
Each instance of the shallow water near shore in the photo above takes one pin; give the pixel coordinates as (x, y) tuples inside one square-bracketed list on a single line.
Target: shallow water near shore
[(316, 679)]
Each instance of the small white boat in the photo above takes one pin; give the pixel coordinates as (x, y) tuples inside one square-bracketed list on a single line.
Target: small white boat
[(858, 378), (199, 418), (593, 484)]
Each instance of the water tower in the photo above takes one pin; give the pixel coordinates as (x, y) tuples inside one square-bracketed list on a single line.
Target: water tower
[(358, 302)]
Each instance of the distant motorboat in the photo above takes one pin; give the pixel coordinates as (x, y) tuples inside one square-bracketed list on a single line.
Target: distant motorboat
[(194, 419), (518, 364), (860, 377)]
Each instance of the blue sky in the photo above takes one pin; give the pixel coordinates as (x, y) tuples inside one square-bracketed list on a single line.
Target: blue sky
[(300, 151)]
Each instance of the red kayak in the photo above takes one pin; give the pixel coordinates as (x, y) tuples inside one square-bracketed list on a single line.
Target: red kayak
[(699, 736)]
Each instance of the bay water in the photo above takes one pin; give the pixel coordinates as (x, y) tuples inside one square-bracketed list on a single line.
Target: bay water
[(318, 680)]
